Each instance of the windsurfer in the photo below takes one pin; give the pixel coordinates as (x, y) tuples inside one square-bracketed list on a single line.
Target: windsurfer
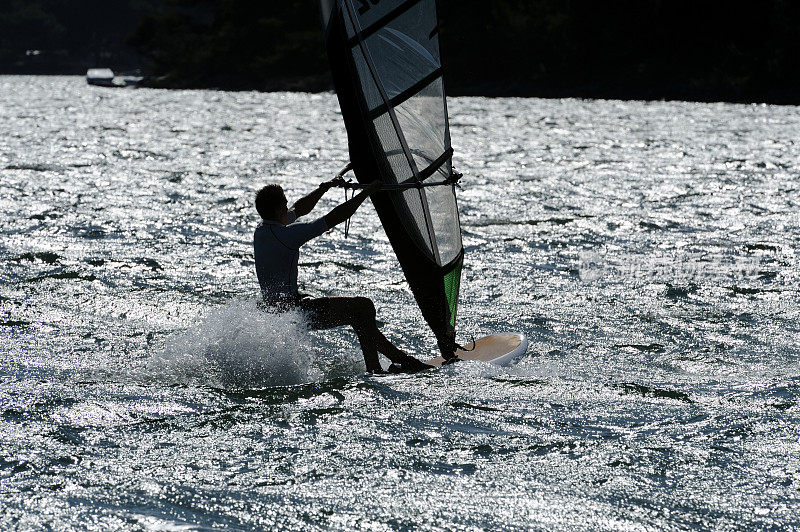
[(276, 243)]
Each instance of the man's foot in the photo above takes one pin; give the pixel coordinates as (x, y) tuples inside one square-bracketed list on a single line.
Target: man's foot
[(409, 365), (450, 360)]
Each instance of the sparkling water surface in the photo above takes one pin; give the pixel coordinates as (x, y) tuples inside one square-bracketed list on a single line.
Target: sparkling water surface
[(648, 249)]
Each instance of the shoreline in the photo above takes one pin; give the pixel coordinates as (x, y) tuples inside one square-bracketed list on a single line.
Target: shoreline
[(590, 90)]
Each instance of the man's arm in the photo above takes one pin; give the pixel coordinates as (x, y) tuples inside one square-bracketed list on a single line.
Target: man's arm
[(305, 204), (349, 207)]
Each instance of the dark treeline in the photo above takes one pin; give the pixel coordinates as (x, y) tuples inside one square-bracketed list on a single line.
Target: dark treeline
[(236, 44), (652, 49), (69, 36)]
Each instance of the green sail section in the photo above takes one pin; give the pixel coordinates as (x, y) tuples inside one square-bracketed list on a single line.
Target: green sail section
[(452, 283)]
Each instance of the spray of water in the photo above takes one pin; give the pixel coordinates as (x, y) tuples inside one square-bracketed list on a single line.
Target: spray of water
[(240, 346)]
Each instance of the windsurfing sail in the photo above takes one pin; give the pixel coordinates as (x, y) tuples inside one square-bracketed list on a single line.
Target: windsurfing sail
[(384, 56)]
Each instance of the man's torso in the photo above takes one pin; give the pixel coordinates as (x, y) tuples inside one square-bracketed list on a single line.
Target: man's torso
[(276, 251)]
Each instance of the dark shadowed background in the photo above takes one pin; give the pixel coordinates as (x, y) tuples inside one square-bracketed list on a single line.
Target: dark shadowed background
[(650, 49)]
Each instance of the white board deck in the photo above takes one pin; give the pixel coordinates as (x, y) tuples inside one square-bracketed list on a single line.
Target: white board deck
[(498, 349)]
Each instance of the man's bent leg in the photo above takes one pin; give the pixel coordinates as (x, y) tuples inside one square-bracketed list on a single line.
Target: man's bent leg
[(359, 313)]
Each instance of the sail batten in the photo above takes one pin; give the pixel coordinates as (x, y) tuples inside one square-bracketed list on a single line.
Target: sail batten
[(386, 19), (406, 94), (387, 71)]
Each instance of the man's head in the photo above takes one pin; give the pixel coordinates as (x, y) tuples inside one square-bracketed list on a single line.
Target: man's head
[(271, 204)]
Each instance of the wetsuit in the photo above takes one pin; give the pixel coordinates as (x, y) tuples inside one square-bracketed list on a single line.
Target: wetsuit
[(277, 251)]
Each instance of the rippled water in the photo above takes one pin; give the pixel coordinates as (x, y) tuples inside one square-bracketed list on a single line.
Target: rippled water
[(649, 250)]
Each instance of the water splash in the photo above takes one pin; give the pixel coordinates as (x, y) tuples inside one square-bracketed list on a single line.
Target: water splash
[(240, 346)]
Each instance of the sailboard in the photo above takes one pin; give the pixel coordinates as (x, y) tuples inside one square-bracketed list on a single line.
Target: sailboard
[(387, 71)]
